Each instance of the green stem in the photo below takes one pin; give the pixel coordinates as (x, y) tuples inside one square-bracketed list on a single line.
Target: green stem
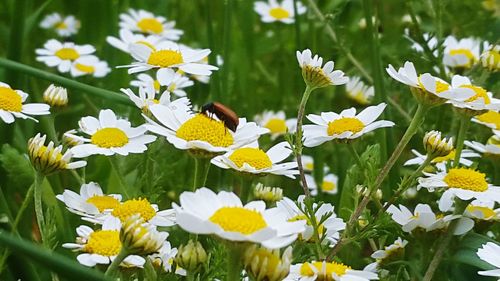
[(39, 177), (113, 267), (314, 223), (201, 168), (77, 176), (355, 154), (462, 131), (234, 264), (65, 82), (246, 187), (298, 138), (228, 7)]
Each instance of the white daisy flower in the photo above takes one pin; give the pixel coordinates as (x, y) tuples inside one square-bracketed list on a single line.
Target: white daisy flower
[(490, 253), (307, 163), (149, 212), (198, 132), (110, 135), (64, 26), (329, 229), (424, 218), (147, 98), (316, 76), (127, 38), (276, 122), (223, 214), (481, 99), (11, 105), (165, 259), (323, 270), (89, 65), (491, 147), (464, 183), (484, 211), (173, 81), (344, 126), (168, 54), (146, 22), (397, 246), (272, 11), (101, 246), (359, 92), (62, 55), (253, 160), (491, 58), (441, 162), (329, 184), (462, 53), (90, 202), (490, 119)]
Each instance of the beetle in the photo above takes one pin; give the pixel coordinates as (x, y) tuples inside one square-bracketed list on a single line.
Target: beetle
[(224, 113)]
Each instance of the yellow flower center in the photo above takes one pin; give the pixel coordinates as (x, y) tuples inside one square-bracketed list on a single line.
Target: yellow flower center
[(328, 186), (346, 124), (276, 126), (448, 157), (252, 156), (359, 97), (487, 212), (465, 178), (131, 207), (150, 25), (67, 54), (10, 100), (204, 128), (102, 202), (156, 85), (440, 86), (61, 25), (238, 219), (147, 44), (324, 270), (104, 242), (464, 52), (490, 117), (279, 13), (165, 58), (85, 68), (480, 93), (309, 166), (109, 137)]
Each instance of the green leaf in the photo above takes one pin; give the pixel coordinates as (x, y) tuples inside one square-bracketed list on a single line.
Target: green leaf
[(18, 167), (467, 253)]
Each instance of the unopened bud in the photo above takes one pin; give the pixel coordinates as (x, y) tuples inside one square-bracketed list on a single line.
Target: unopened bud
[(267, 193), (266, 265), (490, 59), (435, 146), (191, 256), (55, 96), (141, 238)]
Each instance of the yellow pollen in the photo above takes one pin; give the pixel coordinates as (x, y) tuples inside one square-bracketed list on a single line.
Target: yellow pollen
[(85, 68), (104, 242), (448, 157), (147, 44), (324, 270), (102, 202), (328, 186), (346, 124), (10, 100), (204, 128), (238, 219), (487, 212), (490, 117), (109, 137), (279, 13), (276, 126), (67, 54), (252, 156), (165, 58), (61, 25), (150, 25), (480, 93), (131, 207), (467, 179), (156, 85), (464, 52)]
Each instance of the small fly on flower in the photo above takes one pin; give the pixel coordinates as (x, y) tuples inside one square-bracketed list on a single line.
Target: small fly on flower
[(224, 113)]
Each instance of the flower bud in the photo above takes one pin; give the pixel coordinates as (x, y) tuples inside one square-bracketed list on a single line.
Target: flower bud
[(141, 238), (71, 139), (490, 59), (266, 265), (191, 256), (55, 96), (267, 193), (49, 159), (435, 146)]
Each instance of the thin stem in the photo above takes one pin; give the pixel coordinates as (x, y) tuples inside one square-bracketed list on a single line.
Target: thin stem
[(354, 153), (201, 168), (65, 82), (462, 131), (298, 138), (77, 176), (39, 177), (234, 265), (116, 262), (314, 223), (246, 187)]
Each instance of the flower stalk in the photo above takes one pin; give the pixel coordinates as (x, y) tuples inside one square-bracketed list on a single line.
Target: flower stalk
[(39, 177), (462, 131), (234, 261), (201, 168), (113, 267), (298, 138)]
